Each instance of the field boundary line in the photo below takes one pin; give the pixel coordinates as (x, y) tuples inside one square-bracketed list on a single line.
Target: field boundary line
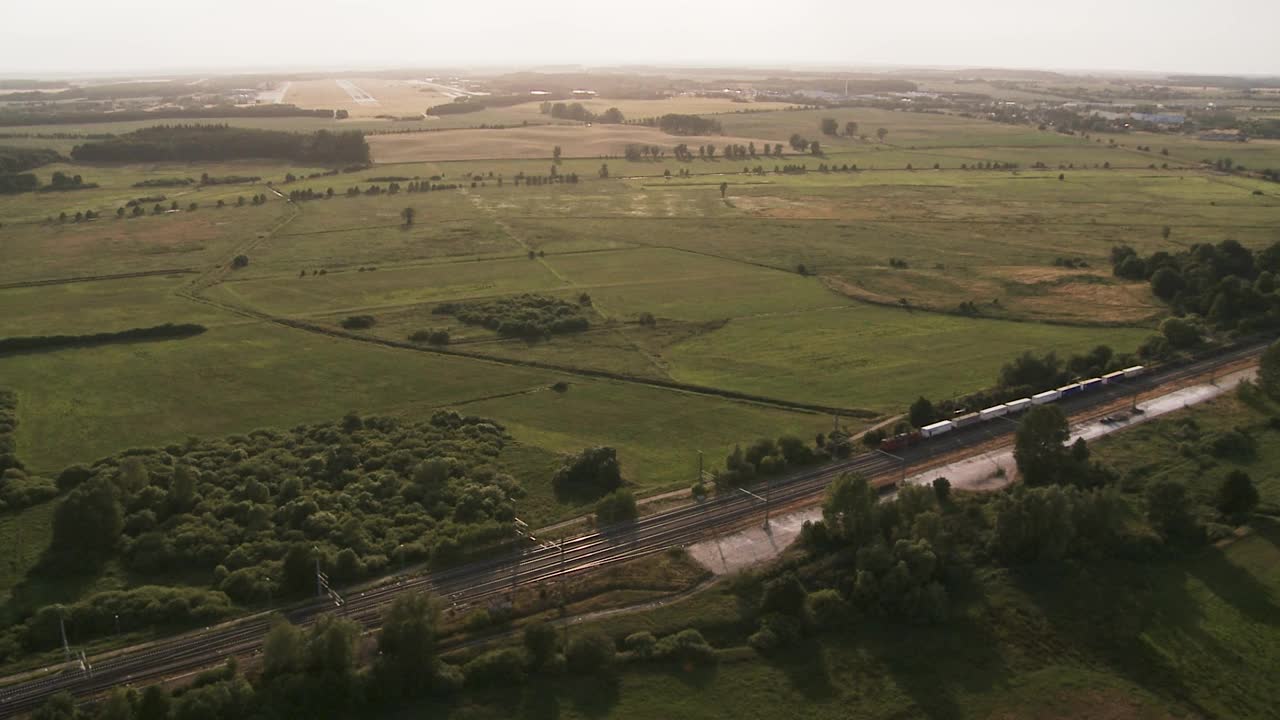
[(97, 278)]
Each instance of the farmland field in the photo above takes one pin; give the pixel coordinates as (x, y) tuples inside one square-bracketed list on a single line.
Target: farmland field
[(829, 287)]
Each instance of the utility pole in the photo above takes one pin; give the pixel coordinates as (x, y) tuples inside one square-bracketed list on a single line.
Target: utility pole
[(319, 575), (62, 628)]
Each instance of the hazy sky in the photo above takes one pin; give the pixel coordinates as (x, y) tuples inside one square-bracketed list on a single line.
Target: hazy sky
[(103, 36)]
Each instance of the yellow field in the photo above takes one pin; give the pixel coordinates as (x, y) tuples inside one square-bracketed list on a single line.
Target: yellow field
[(533, 142), (390, 97)]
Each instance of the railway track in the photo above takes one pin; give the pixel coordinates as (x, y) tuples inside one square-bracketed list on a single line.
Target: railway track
[(544, 562)]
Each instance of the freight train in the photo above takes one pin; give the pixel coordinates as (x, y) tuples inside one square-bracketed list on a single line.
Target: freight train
[(1013, 407)]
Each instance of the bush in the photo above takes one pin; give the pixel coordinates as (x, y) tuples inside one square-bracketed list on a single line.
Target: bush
[(829, 610), (432, 337), (240, 261), (615, 508), (359, 322), (594, 470), (590, 652), (686, 646), (25, 491), (503, 668), (641, 645)]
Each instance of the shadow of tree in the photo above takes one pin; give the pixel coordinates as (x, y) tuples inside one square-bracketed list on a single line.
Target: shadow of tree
[(805, 666), (929, 664), (1111, 619)]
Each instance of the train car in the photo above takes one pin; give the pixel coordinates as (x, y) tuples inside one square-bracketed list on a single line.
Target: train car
[(1112, 378), (1067, 391), (966, 420), (1047, 396), (994, 411), (1132, 372), (1091, 384), (897, 442), (937, 428), (1017, 406)]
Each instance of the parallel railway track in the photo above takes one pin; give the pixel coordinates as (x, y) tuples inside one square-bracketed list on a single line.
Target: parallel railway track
[(487, 579)]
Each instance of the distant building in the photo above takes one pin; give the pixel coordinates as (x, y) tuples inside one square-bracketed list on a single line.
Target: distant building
[(1224, 136), (584, 93), (1159, 118)]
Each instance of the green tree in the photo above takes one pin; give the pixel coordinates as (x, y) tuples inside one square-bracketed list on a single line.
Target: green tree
[(89, 521), (922, 412), (1180, 333), (850, 509), (830, 126), (1269, 371), (330, 647), (1237, 494), (591, 652), (407, 644), (881, 134), (1169, 509), (617, 507), (60, 706), (542, 642), (850, 128), (299, 568), (1166, 282), (784, 594), (942, 490), (408, 214), (555, 154), (282, 649), (118, 705), (154, 704), (1038, 445)]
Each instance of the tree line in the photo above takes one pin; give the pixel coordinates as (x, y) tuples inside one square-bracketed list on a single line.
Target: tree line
[(56, 115), (189, 143), (579, 112), (56, 342), (320, 670), (526, 316), (1224, 287)]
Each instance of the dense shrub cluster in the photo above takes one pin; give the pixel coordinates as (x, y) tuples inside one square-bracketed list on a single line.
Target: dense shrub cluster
[(165, 182), (431, 337), (364, 491), (140, 608), (359, 322), (767, 456), (187, 143), (21, 159), (12, 184), (678, 124), (592, 472), (526, 316), (1229, 285), (53, 342), (8, 426)]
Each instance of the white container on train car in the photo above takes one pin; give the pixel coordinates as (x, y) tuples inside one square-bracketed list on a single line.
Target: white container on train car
[(1113, 377), (966, 420), (1047, 396), (1091, 383), (1017, 406), (1134, 371), (994, 411), (937, 428)]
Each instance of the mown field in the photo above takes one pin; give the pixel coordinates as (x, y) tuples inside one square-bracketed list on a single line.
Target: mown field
[(781, 288), (1166, 640), (1181, 634)]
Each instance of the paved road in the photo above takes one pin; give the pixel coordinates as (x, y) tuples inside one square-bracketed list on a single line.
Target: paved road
[(545, 562)]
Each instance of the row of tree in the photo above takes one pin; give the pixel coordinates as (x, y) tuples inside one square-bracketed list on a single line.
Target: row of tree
[(191, 143), (528, 316)]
